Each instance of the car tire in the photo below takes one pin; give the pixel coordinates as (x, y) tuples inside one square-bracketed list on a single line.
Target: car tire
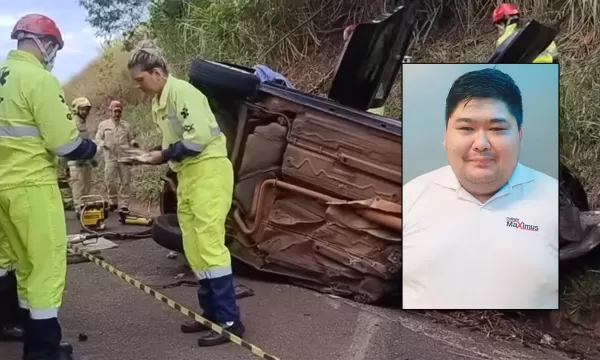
[(166, 232), (223, 80)]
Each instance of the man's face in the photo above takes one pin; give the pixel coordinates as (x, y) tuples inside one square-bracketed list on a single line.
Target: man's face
[(83, 112), (482, 142), (116, 114)]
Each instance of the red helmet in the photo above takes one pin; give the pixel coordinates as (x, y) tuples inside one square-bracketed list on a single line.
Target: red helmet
[(115, 105), (39, 25), (502, 11)]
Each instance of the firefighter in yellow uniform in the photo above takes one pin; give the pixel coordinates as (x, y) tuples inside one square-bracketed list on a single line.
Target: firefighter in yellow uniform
[(115, 137), (80, 171), (36, 126), (506, 17), (195, 149)]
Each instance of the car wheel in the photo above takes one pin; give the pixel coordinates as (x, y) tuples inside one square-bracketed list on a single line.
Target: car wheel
[(166, 232), (219, 79)]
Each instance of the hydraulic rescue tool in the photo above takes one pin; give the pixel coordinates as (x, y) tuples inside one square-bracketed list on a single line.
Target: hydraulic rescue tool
[(129, 218), (93, 212)]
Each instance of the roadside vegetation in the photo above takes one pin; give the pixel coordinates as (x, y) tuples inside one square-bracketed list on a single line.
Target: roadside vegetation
[(302, 39)]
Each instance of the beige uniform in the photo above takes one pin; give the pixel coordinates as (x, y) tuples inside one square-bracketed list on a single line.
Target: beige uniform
[(80, 170), (63, 182), (115, 138)]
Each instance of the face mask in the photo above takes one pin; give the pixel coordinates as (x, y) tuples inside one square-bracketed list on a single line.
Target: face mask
[(48, 52), (50, 64)]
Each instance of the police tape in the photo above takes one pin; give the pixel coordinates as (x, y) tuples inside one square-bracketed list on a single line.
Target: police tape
[(173, 304)]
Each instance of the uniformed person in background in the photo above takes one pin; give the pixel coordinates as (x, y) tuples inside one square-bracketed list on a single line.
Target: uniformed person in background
[(115, 137), (80, 171), (507, 19), (195, 149), (37, 125), (62, 169)]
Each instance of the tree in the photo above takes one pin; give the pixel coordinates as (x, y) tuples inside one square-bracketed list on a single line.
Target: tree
[(110, 17)]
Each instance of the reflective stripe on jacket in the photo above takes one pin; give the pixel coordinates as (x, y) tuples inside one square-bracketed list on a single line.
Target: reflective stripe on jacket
[(36, 124), (183, 114)]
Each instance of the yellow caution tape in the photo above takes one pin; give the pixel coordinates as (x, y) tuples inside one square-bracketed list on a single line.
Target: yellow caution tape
[(173, 304)]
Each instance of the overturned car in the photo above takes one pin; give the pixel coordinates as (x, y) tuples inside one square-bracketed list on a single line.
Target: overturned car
[(317, 179)]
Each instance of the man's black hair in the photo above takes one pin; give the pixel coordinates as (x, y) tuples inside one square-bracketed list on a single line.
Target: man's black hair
[(486, 84)]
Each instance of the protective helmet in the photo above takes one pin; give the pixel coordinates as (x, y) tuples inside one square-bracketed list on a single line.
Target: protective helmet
[(79, 103), (36, 26), (348, 31), (115, 105), (503, 11)]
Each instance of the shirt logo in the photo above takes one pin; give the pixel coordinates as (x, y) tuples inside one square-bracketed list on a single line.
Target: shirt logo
[(521, 225)]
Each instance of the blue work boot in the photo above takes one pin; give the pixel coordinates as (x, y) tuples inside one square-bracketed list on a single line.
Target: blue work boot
[(226, 312), (205, 301)]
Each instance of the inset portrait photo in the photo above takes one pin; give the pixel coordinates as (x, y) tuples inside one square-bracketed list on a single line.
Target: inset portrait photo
[(480, 186)]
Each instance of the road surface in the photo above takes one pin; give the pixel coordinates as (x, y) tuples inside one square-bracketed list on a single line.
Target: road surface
[(123, 323)]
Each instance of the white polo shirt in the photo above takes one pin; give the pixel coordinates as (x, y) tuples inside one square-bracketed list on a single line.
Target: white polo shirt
[(461, 254)]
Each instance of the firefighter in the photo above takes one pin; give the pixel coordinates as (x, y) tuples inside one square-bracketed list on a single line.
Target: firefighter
[(195, 149), (507, 19), (80, 171), (37, 125), (115, 137)]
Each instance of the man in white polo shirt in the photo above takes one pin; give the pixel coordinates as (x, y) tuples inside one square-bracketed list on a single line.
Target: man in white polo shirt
[(481, 233)]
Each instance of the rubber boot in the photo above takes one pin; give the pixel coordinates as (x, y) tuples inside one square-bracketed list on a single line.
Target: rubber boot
[(224, 306), (10, 329), (205, 301)]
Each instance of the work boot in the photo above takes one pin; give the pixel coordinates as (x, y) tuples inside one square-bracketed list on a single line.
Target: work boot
[(11, 333), (211, 338), (190, 327)]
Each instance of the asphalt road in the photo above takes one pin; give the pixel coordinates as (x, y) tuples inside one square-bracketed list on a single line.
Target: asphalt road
[(123, 323)]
